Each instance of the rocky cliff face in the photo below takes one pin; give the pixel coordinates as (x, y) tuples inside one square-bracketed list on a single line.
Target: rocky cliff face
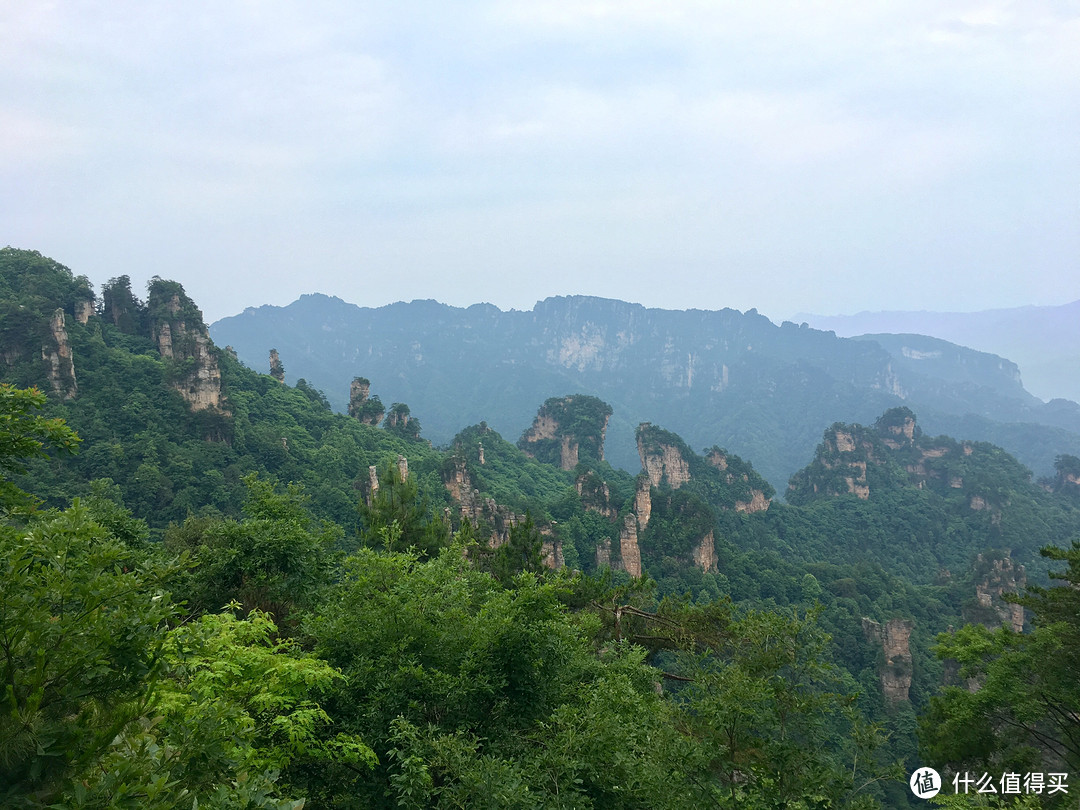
[(492, 520), (277, 370), (758, 500), (994, 578), (643, 501), (567, 430), (895, 640), (367, 410), (662, 461), (893, 453), (59, 362), (628, 546), (595, 494), (83, 310), (177, 327), (705, 553)]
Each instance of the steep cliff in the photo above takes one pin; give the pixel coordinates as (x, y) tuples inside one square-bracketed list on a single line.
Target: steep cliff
[(277, 369), (176, 325), (895, 671), (721, 478), (41, 301), (750, 488), (894, 454), (369, 411), (59, 363), (996, 576), (663, 456), (629, 550), (643, 501), (1067, 478), (595, 494), (568, 430)]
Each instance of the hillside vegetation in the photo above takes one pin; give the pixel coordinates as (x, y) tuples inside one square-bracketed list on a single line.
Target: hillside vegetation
[(217, 591), (734, 379)]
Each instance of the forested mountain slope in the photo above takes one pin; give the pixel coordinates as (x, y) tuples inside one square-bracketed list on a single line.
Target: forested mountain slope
[(726, 377), (427, 586)]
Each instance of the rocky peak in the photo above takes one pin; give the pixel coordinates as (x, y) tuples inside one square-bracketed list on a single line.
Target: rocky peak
[(567, 430), (735, 472), (59, 363), (994, 577), (595, 494), (895, 640), (176, 325), (120, 306), (399, 417), (661, 456), (486, 515), (1067, 479), (277, 370), (368, 411), (718, 458), (897, 428)]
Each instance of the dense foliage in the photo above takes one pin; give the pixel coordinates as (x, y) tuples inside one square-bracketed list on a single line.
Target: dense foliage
[(261, 602)]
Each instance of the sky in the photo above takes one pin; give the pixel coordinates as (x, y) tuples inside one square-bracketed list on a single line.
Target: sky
[(827, 157)]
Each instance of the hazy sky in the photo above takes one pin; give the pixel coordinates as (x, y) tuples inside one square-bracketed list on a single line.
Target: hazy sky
[(791, 156)]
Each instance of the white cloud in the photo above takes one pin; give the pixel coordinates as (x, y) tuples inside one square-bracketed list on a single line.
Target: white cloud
[(484, 137)]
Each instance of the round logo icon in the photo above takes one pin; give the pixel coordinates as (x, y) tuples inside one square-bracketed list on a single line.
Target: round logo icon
[(925, 782)]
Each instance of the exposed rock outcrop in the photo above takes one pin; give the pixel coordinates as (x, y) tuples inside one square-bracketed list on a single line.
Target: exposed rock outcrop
[(59, 362), (398, 417), (277, 370), (757, 503), (492, 518), (628, 546), (995, 578), (567, 430), (373, 483), (705, 553), (894, 454), (367, 410), (595, 494), (603, 553), (176, 325), (643, 502), (83, 311), (568, 453), (660, 460), (746, 485), (551, 553), (899, 432), (895, 640)]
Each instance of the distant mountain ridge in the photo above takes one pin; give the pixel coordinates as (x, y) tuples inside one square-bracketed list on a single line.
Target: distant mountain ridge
[(725, 378), (1043, 340)]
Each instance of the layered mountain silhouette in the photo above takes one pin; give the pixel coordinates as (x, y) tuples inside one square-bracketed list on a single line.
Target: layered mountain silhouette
[(1042, 340), (726, 378)]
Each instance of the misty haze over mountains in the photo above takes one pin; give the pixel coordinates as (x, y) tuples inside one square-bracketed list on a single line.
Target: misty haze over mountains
[(1044, 341), (737, 380)]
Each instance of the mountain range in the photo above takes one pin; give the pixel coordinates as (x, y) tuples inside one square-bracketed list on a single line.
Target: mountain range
[(1042, 340), (728, 378)]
